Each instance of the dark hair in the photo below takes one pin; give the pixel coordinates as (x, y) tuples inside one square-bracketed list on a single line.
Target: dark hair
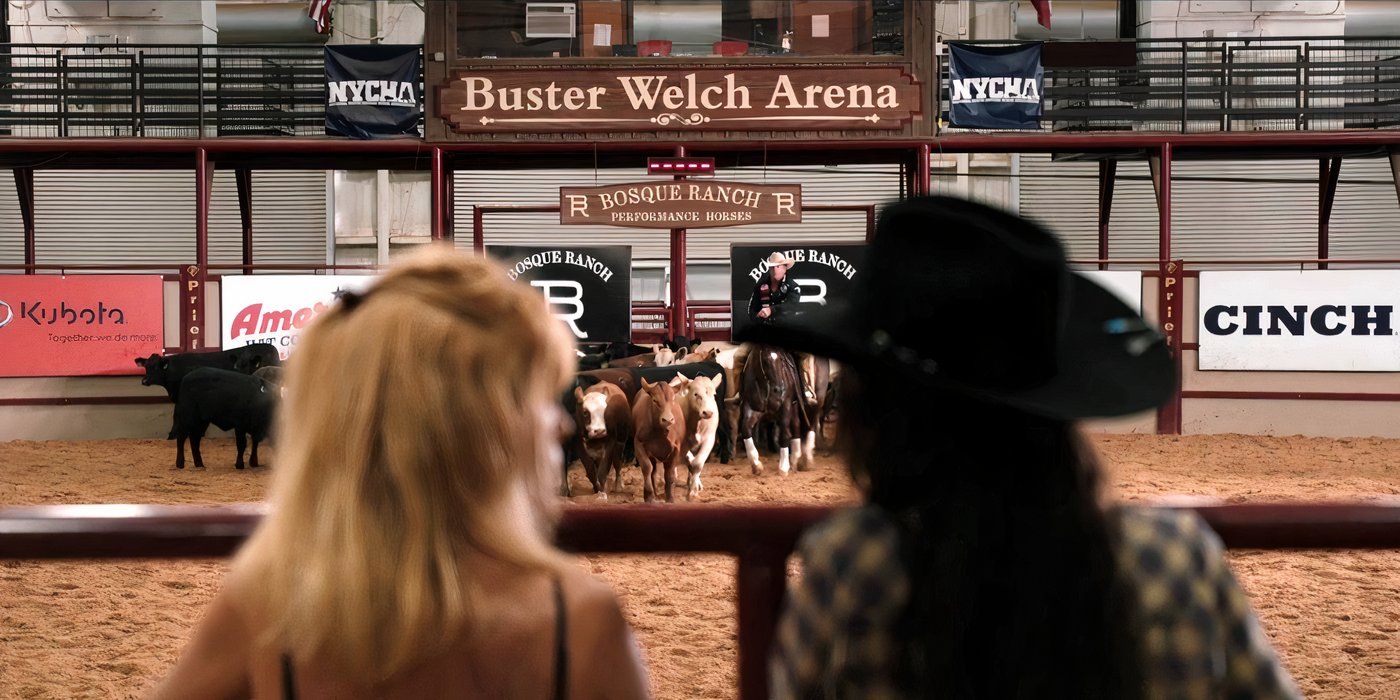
[(1010, 556)]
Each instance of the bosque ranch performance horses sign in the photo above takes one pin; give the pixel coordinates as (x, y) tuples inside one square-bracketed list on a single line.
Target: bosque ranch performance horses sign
[(668, 99), (689, 204), (823, 272), (588, 287)]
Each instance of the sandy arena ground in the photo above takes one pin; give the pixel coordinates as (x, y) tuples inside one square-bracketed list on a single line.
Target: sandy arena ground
[(108, 629)]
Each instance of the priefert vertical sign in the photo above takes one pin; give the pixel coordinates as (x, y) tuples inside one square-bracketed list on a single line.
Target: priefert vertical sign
[(192, 307)]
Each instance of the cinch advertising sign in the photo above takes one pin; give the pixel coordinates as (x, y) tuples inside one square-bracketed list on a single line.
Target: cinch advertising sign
[(1311, 320), (52, 326), (823, 272), (692, 204), (589, 287), (275, 308)]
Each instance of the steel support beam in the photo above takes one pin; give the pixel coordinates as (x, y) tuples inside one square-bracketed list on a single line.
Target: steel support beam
[(449, 200), (438, 196), (24, 190), (1108, 170), (925, 181), (678, 300), (1169, 301), (243, 177), (1327, 173), (193, 278)]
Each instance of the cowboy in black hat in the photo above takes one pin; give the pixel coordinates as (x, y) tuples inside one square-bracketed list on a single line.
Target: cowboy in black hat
[(773, 290), (985, 562)]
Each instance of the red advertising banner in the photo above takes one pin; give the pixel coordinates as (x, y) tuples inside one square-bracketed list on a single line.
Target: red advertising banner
[(52, 326)]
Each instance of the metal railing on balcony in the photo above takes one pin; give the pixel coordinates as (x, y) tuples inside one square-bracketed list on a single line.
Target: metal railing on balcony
[(1218, 84), (161, 90)]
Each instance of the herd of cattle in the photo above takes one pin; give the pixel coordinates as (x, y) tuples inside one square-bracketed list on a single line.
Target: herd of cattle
[(668, 405), (660, 405)]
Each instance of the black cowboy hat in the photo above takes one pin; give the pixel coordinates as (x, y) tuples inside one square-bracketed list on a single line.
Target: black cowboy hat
[(964, 297)]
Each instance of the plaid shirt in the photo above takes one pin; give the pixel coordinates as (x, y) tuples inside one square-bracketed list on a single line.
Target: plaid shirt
[(1200, 639)]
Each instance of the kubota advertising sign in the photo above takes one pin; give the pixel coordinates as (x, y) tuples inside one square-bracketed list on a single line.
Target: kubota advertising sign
[(275, 308), (60, 326)]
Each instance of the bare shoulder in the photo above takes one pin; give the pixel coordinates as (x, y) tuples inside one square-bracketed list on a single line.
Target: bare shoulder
[(589, 598)]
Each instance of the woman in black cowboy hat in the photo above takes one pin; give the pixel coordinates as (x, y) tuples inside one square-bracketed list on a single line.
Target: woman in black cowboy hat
[(985, 563)]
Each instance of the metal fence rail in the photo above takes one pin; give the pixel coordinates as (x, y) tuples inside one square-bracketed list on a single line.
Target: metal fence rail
[(760, 538), (161, 90), (1218, 84)]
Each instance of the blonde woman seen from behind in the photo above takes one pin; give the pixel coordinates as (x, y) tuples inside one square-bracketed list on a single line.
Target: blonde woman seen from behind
[(407, 550)]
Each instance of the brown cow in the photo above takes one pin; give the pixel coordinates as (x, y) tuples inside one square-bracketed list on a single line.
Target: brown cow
[(658, 431), (603, 420), (660, 356)]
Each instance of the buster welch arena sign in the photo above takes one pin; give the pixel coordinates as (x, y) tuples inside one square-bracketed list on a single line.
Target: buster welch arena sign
[(588, 287), (796, 98), (824, 272), (689, 204)]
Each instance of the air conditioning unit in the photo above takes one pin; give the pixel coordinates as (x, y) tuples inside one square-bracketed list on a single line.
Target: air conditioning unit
[(550, 20)]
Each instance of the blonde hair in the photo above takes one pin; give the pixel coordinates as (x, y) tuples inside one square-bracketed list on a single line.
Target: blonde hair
[(408, 445)]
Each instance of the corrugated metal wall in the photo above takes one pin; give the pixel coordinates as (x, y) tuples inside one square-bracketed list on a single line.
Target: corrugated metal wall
[(1262, 209), (868, 184), (289, 218), (11, 227), (147, 216)]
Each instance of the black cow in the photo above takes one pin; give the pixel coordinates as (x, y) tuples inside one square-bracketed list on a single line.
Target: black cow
[(229, 400), (167, 371), (693, 370)]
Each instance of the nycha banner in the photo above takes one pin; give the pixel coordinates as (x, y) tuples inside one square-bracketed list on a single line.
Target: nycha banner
[(372, 90), (994, 87)]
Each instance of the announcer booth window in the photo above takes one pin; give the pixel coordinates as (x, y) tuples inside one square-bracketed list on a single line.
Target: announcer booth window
[(664, 29)]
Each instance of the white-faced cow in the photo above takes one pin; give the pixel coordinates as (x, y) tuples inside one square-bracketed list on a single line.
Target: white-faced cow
[(658, 431), (698, 402), (603, 420), (229, 400)]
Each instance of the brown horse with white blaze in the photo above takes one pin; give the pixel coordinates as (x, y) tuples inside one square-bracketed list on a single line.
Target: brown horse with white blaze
[(769, 389), (658, 433)]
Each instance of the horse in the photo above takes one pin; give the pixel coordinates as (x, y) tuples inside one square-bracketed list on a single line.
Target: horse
[(769, 390)]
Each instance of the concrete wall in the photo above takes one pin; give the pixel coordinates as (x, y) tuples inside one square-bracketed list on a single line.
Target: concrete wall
[(1164, 19), (1277, 417), (124, 21)]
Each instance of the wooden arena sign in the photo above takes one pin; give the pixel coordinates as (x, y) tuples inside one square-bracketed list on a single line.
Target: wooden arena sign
[(687, 204), (798, 98)]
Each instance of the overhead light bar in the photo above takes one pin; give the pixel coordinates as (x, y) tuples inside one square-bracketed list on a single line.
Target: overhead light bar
[(680, 166)]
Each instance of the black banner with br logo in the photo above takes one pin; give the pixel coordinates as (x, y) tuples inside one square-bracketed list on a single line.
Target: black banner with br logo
[(372, 90), (589, 287), (823, 272)]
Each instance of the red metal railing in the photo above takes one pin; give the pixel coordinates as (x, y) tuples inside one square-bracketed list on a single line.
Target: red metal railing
[(761, 538)]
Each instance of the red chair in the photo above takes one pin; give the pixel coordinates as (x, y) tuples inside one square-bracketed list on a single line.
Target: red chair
[(731, 48), (654, 47)]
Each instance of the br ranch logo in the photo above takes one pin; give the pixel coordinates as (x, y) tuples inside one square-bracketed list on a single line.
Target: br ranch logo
[(597, 99)]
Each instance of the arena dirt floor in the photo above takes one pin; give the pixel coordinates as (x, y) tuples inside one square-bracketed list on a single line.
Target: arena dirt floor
[(109, 629)]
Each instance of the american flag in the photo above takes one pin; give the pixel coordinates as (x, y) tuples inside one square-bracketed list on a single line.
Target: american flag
[(1042, 12), (320, 12)]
